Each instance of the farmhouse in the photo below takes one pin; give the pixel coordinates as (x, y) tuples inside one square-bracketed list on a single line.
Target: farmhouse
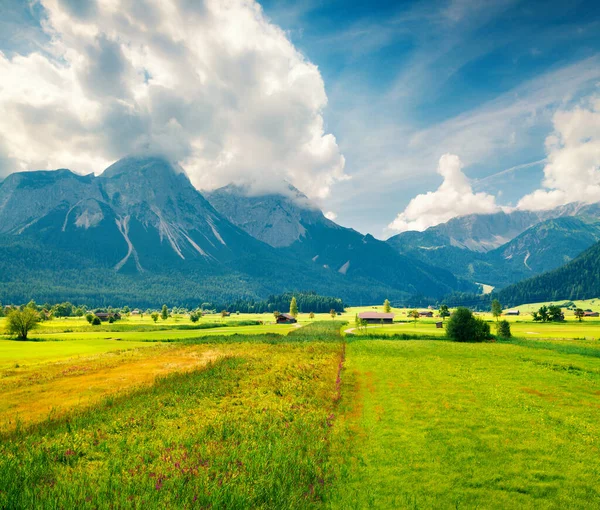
[(104, 316), (286, 318), (425, 313), (512, 312), (376, 317), (591, 314)]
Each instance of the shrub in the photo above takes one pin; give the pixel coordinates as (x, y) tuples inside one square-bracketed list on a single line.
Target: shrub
[(96, 321), (464, 327), (89, 317), (503, 329)]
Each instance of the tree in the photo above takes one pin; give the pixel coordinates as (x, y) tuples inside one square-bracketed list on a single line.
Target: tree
[(503, 329), (126, 310), (293, 307), (96, 321), (386, 306), (464, 327), (555, 314), (21, 322), (154, 316), (194, 317), (311, 315), (414, 314), (333, 313), (579, 313), (276, 314), (496, 309), (89, 317), (444, 312), (164, 314), (542, 314), (224, 313)]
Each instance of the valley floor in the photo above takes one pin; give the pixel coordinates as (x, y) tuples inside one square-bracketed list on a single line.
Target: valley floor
[(285, 417)]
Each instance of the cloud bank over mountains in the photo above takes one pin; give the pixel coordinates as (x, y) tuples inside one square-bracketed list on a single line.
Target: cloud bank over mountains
[(571, 174), (454, 197), (213, 85)]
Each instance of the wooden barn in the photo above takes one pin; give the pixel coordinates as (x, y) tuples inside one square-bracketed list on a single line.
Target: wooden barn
[(104, 316), (286, 318), (376, 317)]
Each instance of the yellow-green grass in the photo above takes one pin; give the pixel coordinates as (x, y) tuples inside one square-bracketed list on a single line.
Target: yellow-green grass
[(13, 352), (527, 329), (584, 304), (162, 335), (248, 430), (447, 425), (33, 391)]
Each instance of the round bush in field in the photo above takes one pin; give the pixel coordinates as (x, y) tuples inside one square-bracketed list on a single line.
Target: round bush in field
[(503, 329), (464, 327)]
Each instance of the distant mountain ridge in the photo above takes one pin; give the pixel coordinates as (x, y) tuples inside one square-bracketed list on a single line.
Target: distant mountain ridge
[(503, 248), (141, 231)]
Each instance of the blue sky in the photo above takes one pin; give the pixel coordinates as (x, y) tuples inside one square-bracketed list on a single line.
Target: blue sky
[(405, 67), (497, 86)]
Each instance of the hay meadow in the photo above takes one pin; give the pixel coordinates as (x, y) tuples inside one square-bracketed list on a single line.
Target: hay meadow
[(244, 413)]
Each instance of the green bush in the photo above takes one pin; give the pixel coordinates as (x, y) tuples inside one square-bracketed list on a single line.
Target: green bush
[(464, 327), (96, 321), (503, 329)]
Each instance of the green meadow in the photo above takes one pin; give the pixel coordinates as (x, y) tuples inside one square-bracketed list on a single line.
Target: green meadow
[(245, 413)]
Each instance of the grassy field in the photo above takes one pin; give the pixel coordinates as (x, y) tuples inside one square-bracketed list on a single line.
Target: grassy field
[(443, 425), (589, 328), (275, 416), (247, 430)]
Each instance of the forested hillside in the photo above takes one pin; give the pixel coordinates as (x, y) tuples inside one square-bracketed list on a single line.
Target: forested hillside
[(579, 279)]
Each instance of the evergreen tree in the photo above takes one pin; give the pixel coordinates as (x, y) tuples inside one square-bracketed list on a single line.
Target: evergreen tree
[(293, 307), (386, 306), (164, 314)]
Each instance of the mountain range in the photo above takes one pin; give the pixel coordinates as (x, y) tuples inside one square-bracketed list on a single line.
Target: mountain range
[(503, 248), (141, 233)]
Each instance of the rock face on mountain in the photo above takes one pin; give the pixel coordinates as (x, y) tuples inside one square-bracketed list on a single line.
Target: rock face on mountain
[(276, 219), (296, 227), (503, 248), (141, 233)]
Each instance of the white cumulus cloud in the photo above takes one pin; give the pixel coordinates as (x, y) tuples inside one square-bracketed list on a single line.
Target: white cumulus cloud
[(572, 173), (453, 198), (212, 84)]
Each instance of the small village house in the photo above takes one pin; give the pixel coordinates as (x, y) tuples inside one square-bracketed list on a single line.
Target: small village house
[(105, 316), (425, 313), (512, 312), (376, 317), (286, 318)]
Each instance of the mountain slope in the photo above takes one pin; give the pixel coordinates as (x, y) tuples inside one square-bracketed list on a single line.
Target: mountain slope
[(298, 228), (544, 245), (579, 279), (141, 233)]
